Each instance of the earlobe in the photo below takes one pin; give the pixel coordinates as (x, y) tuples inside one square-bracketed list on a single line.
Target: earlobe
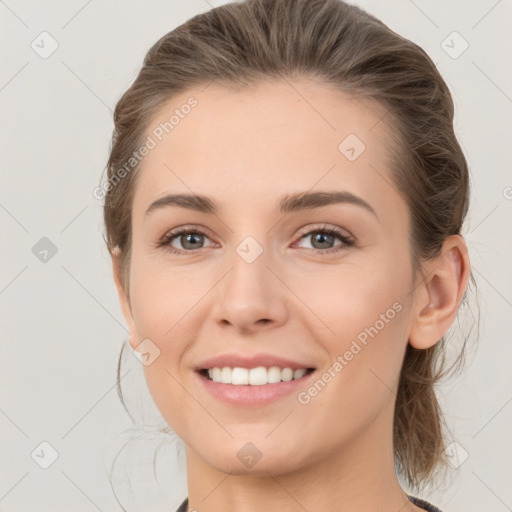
[(123, 298), (438, 298)]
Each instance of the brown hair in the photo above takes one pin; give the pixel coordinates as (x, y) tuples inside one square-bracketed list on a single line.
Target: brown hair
[(342, 45)]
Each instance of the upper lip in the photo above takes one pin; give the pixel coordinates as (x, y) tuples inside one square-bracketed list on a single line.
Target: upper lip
[(245, 361)]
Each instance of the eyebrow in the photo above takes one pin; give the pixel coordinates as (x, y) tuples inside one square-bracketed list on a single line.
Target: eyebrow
[(288, 203)]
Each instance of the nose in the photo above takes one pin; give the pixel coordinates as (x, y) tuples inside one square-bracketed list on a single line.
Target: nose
[(250, 297)]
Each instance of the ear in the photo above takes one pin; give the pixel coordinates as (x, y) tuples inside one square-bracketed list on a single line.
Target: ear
[(439, 295), (124, 299)]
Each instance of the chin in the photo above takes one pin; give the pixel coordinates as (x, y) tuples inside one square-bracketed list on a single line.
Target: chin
[(270, 464), (255, 458)]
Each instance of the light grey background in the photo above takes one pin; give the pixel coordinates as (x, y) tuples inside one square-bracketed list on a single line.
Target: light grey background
[(62, 326)]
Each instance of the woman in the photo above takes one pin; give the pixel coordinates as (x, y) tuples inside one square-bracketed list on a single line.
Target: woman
[(284, 206)]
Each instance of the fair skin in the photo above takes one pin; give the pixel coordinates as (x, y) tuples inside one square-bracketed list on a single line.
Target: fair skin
[(245, 149)]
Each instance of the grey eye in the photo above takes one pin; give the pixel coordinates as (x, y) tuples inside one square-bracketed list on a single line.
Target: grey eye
[(190, 241)]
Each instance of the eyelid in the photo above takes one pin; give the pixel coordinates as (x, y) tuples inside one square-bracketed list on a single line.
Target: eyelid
[(187, 228), (307, 230)]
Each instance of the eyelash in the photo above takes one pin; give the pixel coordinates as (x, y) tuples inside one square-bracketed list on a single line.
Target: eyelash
[(170, 236)]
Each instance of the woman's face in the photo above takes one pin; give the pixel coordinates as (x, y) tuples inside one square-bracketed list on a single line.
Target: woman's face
[(270, 279)]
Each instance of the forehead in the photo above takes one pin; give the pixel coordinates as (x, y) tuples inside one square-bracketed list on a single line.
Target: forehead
[(258, 140)]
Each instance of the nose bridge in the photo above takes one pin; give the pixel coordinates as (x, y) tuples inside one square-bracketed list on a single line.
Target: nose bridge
[(250, 292), (248, 283)]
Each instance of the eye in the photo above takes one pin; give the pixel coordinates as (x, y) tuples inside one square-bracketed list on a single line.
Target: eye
[(184, 240), (188, 240), (322, 239)]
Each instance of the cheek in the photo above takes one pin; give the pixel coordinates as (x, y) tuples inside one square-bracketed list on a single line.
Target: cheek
[(351, 297), (368, 323), (164, 304), (365, 321), (162, 299)]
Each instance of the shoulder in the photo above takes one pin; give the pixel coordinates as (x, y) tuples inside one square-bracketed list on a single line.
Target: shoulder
[(417, 501), (183, 507), (421, 503)]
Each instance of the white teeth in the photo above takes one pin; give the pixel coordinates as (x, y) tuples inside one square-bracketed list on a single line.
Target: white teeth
[(297, 374), (258, 376), (287, 374), (239, 376), (225, 375), (274, 375)]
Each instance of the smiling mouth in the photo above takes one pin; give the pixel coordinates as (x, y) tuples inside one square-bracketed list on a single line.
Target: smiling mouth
[(258, 376)]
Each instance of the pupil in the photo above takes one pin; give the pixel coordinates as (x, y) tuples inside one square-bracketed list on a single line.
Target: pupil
[(190, 239), (322, 238)]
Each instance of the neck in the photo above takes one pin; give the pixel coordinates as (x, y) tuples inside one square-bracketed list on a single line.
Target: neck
[(359, 476)]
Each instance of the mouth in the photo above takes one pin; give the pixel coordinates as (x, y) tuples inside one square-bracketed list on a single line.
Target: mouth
[(257, 376), (249, 380)]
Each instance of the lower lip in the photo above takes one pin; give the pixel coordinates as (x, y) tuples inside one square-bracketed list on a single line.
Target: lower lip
[(253, 395)]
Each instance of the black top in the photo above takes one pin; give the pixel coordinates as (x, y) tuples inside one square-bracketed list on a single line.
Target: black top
[(417, 501)]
